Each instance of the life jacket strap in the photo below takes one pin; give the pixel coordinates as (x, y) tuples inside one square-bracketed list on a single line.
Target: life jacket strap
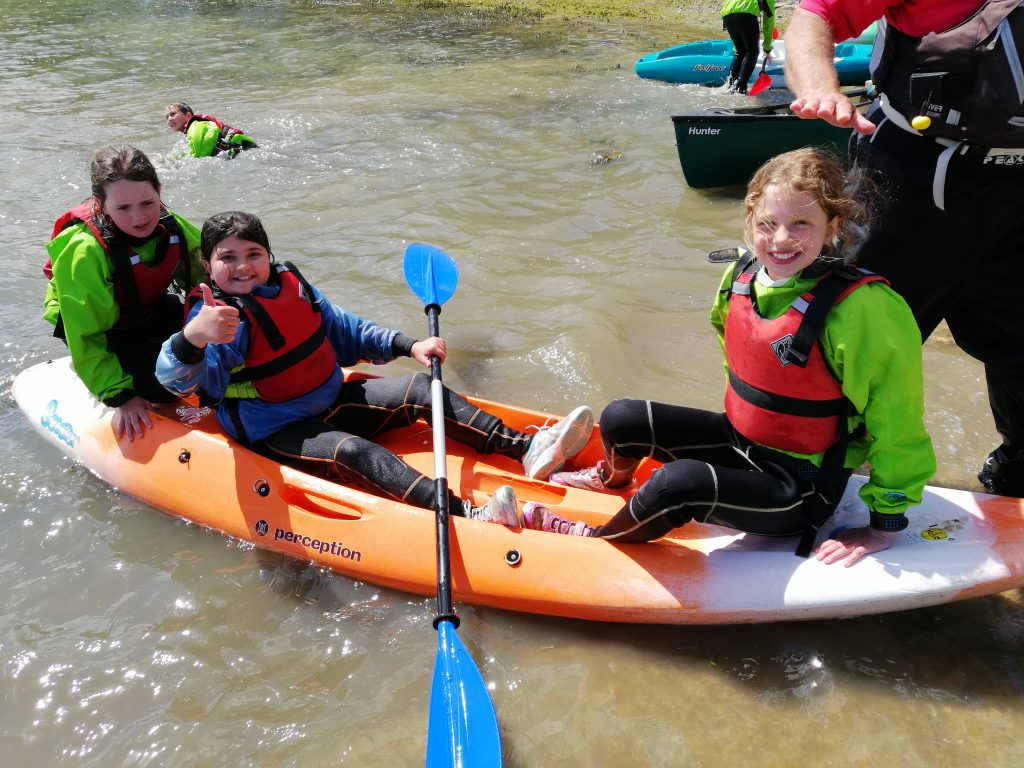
[(231, 406), (822, 503), (259, 315), (124, 276), (790, 406), (825, 293), (281, 363)]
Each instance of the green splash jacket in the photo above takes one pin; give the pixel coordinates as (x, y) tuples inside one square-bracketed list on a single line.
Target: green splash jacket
[(82, 292), (764, 8), (873, 346), (203, 136)]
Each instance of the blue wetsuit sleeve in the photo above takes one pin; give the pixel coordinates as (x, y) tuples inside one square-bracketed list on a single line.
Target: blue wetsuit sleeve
[(354, 339)]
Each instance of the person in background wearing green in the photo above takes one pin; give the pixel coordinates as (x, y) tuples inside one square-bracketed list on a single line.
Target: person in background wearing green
[(112, 260), (739, 19), (207, 136)]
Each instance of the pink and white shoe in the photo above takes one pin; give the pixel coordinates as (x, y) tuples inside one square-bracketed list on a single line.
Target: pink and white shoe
[(588, 478), (537, 517)]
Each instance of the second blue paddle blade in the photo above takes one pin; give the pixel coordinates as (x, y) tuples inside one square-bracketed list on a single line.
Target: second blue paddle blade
[(463, 730)]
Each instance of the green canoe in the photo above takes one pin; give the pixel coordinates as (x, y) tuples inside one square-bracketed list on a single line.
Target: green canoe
[(722, 147)]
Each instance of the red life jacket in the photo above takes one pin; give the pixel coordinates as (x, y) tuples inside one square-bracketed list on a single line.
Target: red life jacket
[(289, 355), (138, 287), (781, 392), (207, 118)]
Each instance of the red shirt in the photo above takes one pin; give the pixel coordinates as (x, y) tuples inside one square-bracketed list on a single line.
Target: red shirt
[(848, 18)]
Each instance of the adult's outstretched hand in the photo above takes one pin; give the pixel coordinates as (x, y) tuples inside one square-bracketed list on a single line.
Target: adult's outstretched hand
[(811, 75), (833, 107)]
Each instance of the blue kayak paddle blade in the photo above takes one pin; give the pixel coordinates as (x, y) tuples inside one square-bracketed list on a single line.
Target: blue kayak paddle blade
[(463, 730), (431, 273)]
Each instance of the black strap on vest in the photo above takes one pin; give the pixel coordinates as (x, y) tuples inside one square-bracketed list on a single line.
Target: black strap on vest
[(184, 258), (827, 490), (790, 406), (819, 507), (825, 294), (259, 316), (124, 275), (281, 363), (745, 262), (306, 290), (231, 406)]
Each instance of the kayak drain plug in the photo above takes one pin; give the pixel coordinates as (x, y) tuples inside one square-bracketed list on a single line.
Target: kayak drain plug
[(262, 487), (513, 557)]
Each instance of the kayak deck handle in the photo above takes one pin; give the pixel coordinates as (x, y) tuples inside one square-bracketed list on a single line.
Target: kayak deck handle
[(312, 502)]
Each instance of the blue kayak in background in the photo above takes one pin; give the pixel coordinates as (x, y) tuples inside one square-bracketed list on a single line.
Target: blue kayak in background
[(707, 63)]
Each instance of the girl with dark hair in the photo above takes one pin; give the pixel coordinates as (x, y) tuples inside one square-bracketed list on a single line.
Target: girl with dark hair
[(267, 347), (112, 261)]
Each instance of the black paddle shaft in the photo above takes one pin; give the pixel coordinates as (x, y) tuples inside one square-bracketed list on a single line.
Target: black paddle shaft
[(445, 610)]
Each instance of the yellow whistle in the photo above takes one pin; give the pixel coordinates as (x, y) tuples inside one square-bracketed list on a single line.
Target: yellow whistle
[(921, 123)]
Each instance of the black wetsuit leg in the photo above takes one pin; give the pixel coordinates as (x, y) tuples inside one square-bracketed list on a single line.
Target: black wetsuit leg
[(708, 475), (316, 446), (372, 406), (341, 443), (744, 31)]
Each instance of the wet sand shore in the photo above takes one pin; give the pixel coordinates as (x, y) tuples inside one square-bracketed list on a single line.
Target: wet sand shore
[(694, 13)]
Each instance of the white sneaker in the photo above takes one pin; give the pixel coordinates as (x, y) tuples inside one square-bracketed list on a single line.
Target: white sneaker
[(552, 446), (500, 508)]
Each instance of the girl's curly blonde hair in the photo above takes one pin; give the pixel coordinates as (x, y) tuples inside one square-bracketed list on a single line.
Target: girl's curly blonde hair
[(820, 173)]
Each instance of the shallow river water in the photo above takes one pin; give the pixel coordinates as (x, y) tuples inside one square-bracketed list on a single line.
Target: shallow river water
[(130, 639)]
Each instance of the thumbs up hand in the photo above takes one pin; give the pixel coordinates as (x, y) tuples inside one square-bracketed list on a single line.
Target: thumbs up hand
[(208, 300), (215, 323)]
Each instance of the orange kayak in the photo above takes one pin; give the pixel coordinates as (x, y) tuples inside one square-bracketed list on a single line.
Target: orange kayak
[(959, 544)]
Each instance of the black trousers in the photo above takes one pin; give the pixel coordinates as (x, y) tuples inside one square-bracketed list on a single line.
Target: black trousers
[(962, 264), (136, 348), (744, 30), (710, 474), (341, 443)]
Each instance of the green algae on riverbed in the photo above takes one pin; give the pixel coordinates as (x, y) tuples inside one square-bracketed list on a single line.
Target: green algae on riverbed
[(688, 13), (652, 10)]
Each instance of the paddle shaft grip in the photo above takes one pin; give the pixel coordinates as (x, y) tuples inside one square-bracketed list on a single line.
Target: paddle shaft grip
[(444, 586)]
